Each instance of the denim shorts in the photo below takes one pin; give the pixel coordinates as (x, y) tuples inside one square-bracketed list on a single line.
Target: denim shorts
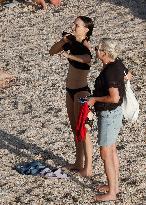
[(109, 124)]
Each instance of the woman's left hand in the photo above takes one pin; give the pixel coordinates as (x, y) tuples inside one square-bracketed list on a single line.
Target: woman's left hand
[(91, 101)]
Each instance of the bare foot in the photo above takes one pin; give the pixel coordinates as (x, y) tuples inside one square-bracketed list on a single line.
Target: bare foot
[(6, 80), (74, 167), (85, 173), (55, 2), (104, 188), (105, 197), (4, 75), (42, 3)]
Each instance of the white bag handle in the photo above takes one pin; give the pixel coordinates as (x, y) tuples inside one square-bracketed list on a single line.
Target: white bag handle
[(130, 105), (126, 75)]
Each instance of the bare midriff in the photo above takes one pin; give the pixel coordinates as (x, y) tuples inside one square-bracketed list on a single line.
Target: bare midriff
[(76, 78)]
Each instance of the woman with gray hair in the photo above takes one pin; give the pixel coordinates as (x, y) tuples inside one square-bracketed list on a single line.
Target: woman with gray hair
[(107, 99)]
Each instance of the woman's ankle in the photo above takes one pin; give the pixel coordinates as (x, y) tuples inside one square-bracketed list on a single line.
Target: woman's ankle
[(86, 172)]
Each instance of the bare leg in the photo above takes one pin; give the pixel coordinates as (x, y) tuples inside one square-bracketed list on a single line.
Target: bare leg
[(79, 163), (108, 159), (87, 148), (42, 3), (88, 151), (82, 148), (105, 188), (117, 165), (55, 2), (79, 146)]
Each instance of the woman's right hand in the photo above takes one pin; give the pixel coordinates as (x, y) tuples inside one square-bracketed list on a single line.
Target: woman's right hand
[(65, 39)]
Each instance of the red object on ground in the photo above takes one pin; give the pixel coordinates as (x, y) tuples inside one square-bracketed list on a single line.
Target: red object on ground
[(80, 126), (55, 2)]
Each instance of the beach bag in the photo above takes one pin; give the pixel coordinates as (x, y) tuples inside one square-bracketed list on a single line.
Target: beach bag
[(130, 105)]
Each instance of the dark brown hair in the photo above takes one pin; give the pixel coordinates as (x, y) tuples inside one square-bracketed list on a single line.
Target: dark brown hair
[(88, 24)]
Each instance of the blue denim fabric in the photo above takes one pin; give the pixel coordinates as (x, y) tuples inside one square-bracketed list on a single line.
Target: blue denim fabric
[(109, 124)]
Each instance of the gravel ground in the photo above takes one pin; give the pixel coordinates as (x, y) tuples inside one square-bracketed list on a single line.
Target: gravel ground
[(33, 119)]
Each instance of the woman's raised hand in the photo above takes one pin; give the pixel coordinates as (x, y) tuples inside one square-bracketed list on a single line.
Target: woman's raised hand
[(65, 39)]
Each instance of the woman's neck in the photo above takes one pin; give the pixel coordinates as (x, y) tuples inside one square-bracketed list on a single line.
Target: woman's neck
[(80, 38), (107, 61)]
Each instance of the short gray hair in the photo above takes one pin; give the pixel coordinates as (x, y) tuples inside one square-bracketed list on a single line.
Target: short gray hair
[(109, 46)]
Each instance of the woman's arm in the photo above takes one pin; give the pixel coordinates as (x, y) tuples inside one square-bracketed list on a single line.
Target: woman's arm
[(57, 47), (80, 58), (113, 97)]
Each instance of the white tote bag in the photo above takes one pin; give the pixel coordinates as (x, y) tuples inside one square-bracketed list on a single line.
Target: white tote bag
[(130, 104)]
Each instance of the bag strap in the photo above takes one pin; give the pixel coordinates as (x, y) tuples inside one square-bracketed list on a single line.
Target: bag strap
[(126, 75)]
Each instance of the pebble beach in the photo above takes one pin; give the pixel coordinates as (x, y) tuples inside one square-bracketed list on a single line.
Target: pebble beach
[(33, 117)]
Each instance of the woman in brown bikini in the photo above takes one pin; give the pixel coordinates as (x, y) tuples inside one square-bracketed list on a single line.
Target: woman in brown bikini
[(77, 50)]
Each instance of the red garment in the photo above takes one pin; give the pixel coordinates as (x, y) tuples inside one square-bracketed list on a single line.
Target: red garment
[(80, 126)]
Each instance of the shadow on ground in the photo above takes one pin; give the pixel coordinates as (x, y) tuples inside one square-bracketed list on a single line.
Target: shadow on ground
[(19, 147)]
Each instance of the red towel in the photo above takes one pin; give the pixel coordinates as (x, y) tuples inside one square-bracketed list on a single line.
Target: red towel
[(80, 126)]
